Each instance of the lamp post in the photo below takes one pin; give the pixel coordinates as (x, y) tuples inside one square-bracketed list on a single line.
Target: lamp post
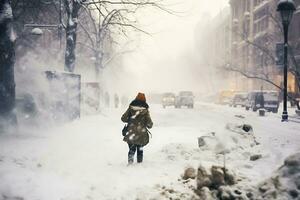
[(286, 9)]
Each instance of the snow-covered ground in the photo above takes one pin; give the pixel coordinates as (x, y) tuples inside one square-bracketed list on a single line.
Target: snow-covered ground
[(87, 159)]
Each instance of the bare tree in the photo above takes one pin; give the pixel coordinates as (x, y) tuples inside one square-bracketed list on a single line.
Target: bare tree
[(7, 59), (104, 15), (109, 22)]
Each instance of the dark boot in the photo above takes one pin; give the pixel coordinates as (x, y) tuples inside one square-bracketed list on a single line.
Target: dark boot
[(139, 154), (130, 160), (132, 149)]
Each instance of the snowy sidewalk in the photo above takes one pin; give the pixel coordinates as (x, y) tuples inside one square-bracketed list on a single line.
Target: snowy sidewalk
[(87, 159)]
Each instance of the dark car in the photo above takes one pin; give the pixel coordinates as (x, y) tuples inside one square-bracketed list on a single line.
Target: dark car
[(239, 99), (185, 98), (267, 99)]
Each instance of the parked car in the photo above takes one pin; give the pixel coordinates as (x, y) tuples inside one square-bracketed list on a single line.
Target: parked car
[(168, 99), (185, 98), (266, 99), (239, 99)]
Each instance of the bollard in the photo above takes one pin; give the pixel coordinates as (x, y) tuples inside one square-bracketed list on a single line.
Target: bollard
[(261, 112)]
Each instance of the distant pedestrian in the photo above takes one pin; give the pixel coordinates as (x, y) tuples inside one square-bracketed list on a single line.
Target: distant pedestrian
[(124, 101), (138, 122), (117, 101), (106, 99)]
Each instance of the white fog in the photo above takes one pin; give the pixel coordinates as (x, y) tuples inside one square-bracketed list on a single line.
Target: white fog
[(169, 58)]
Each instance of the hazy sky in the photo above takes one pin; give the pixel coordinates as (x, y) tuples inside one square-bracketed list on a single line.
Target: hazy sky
[(163, 61)]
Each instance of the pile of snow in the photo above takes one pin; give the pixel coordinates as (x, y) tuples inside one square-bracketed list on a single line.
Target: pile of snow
[(236, 141), (285, 182), (205, 183), (219, 183), (233, 137)]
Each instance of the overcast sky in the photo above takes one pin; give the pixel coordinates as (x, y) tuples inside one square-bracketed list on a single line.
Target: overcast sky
[(162, 62)]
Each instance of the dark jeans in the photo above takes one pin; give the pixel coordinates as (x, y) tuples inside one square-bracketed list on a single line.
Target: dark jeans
[(132, 149)]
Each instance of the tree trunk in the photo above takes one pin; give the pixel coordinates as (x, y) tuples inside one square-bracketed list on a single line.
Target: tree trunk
[(7, 59), (72, 8), (98, 64)]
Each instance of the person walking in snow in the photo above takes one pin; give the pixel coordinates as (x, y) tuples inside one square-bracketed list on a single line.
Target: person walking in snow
[(117, 101), (138, 122)]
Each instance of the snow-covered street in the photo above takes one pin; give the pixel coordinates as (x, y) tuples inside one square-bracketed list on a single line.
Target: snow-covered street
[(87, 159), (149, 100)]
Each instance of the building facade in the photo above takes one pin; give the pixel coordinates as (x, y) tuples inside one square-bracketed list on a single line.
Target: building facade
[(241, 31), (214, 38), (256, 29), (294, 36)]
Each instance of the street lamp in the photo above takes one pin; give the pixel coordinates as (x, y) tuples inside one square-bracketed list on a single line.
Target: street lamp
[(286, 9)]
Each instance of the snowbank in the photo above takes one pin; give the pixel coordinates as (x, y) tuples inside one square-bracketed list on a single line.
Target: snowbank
[(284, 183)]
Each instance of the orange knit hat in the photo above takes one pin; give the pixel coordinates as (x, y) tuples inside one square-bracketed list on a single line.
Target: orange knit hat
[(141, 97)]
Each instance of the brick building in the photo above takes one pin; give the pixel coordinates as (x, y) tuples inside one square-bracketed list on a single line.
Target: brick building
[(256, 29)]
